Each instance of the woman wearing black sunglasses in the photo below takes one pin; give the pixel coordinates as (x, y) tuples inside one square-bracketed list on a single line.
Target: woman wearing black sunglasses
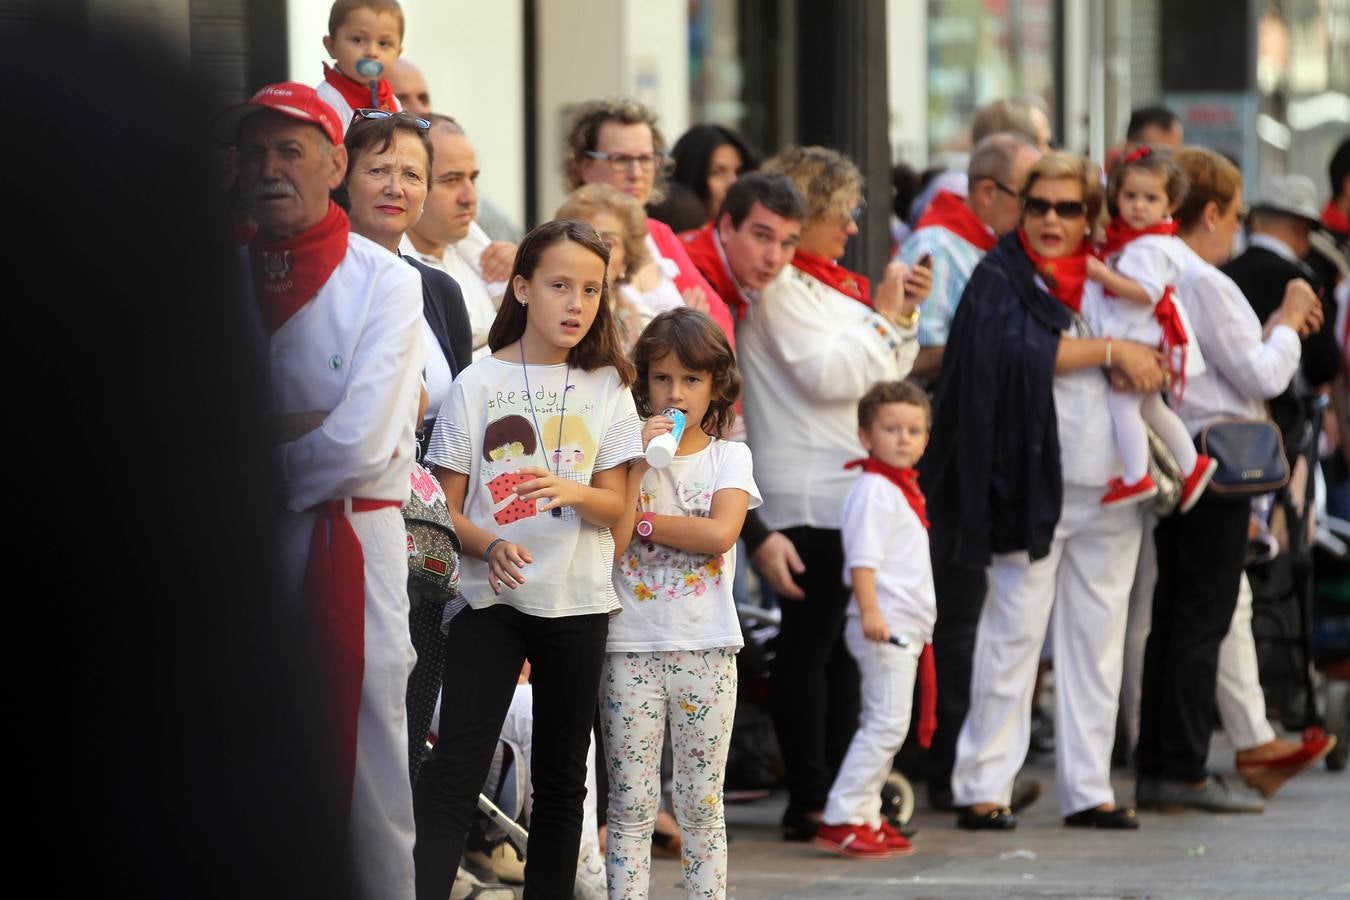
[(1021, 452)]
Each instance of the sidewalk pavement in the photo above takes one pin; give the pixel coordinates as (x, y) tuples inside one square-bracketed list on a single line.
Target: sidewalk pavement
[(1300, 847)]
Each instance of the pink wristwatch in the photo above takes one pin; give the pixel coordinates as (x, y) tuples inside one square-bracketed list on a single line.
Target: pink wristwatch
[(644, 525)]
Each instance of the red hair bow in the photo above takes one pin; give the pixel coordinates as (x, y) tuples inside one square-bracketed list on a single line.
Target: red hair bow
[(1137, 154)]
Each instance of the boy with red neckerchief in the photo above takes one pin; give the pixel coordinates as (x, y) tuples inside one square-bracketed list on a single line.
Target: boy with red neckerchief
[(886, 562), (365, 39)]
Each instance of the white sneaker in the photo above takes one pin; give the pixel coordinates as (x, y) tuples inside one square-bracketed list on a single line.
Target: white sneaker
[(467, 887), (506, 863), (590, 883)]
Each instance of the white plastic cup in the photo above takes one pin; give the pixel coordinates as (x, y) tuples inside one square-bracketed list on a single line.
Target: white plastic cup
[(661, 449)]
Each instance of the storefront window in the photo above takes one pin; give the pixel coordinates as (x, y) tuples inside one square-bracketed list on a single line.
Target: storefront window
[(1303, 79), (980, 50)]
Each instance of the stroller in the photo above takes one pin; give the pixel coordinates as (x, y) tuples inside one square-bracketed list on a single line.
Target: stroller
[(1285, 593)]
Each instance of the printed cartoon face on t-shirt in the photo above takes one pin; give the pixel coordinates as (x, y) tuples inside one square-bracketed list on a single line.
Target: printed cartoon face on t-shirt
[(570, 450), (508, 445)]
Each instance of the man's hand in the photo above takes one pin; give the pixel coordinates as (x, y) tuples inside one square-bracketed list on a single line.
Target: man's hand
[(497, 260), (777, 561)]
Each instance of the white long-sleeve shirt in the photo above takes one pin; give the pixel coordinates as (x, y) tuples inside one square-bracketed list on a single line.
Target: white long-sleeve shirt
[(461, 261), (355, 351), (1243, 367), (807, 354)]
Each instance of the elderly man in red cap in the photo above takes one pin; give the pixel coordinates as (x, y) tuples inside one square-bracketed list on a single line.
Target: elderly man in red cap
[(342, 319)]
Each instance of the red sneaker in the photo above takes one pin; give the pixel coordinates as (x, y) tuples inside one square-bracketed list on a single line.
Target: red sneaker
[(896, 842), (1196, 482), (853, 841), (1122, 494)]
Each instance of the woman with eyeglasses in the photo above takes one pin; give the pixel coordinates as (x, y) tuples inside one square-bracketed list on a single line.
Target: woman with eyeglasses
[(1019, 457), (617, 142), (812, 343), (388, 173)]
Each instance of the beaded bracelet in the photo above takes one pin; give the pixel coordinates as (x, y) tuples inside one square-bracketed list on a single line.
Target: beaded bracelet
[(487, 554)]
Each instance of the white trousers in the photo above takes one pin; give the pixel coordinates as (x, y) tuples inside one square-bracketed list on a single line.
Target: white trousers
[(887, 675), (381, 823), (1086, 579), (1237, 692)]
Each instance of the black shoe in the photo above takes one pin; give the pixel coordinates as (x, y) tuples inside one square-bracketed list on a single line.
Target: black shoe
[(1120, 818), (798, 826), (1025, 792), (940, 797), (1001, 819)]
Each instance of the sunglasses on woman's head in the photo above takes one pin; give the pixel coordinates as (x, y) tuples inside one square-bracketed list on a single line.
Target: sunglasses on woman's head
[(1065, 209), (385, 114)]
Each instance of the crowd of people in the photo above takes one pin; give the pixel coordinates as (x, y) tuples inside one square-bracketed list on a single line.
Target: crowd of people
[(942, 476)]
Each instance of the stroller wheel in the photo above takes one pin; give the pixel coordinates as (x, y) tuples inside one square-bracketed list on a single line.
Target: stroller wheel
[(897, 800), (1338, 723)]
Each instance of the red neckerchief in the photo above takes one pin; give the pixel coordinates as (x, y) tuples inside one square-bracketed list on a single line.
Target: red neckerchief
[(829, 272), (703, 248), (288, 273), (907, 480), (357, 93), (1063, 275), (1334, 219), (1119, 233), (950, 211)]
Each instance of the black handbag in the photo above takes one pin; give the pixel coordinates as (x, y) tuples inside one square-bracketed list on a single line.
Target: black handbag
[(1250, 453)]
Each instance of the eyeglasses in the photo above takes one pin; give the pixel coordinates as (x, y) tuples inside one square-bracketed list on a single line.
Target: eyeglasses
[(385, 114), (1065, 209), (856, 213), (1003, 188), (1242, 215), (647, 162)]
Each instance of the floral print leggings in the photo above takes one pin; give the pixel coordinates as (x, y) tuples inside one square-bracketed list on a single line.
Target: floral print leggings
[(695, 690)]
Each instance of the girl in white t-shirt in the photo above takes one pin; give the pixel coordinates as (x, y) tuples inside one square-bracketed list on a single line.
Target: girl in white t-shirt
[(531, 446), (671, 653), (1141, 260)]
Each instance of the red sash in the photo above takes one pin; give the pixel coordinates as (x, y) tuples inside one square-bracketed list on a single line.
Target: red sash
[(335, 595), (950, 211), (288, 273), (829, 272), (357, 93), (907, 480), (1063, 275)]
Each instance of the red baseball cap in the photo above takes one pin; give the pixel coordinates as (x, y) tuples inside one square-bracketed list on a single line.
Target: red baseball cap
[(290, 98)]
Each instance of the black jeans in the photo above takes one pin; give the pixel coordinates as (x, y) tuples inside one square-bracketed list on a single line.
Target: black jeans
[(960, 594), (1200, 559), (484, 653), (424, 683), (813, 683)]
